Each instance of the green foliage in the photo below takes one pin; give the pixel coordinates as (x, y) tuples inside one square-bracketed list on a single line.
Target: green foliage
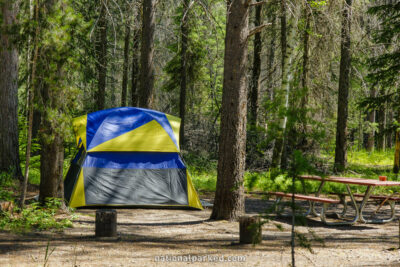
[(35, 217), (7, 186), (362, 164), (203, 171), (384, 68)]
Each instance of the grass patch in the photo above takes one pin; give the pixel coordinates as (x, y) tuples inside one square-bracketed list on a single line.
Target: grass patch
[(374, 158), (362, 164)]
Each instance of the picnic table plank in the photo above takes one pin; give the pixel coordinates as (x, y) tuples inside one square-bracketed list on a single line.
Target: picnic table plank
[(351, 180), (306, 197)]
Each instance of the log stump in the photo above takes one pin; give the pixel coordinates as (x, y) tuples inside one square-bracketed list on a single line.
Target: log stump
[(250, 230), (106, 223)]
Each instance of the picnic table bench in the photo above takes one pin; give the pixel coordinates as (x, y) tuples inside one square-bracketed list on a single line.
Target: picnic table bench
[(310, 199), (370, 183)]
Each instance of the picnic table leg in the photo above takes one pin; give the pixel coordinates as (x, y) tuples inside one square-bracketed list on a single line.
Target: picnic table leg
[(343, 201), (314, 212), (278, 209), (353, 201), (364, 202)]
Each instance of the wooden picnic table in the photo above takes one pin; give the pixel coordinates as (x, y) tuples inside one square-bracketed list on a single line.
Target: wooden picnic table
[(370, 183)]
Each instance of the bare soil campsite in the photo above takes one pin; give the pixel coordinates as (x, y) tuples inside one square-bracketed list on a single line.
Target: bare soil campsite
[(188, 238), (199, 133)]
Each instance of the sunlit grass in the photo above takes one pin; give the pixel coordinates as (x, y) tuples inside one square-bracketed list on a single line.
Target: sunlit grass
[(374, 158), (361, 164)]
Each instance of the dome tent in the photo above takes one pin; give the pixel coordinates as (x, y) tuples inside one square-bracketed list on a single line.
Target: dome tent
[(128, 157)]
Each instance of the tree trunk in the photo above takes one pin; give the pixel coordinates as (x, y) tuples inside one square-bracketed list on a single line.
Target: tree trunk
[(101, 51), (304, 76), (146, 57), (183, 82), (30, 104), (135, 62), (229, 196), (52, 79), (51, 141), (9, 150), (371, 120), (389, 134), (126, 62), (255, 77), (271, 58), (296, 132), (51, 167), (381, 138), (343, 98), (286, 76), (396, 165)]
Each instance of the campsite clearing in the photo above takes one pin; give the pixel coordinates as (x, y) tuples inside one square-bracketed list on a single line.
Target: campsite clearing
[(146, 234)]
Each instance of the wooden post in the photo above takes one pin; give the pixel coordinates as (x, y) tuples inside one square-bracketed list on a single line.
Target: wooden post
[(250, 230), (106, 223)]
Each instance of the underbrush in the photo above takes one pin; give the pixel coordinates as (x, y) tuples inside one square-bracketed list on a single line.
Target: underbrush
[(362, 164), (35, 217)]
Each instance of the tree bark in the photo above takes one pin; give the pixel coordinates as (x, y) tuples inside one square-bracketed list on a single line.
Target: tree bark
[(304, 76), (344, 83), (135, 62), (271, 59), (31, 96), (183, 82), (255, 77), (51, 78), (389, 134), (51, 166), (371, 120), (51, 141), (125, 67), (229, 196), (381, 136), (396, 165), (286, 76), (146, 57), (101, 53), (9, 148)]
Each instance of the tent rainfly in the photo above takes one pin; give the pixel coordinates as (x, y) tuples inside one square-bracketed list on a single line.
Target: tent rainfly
[(128, 157)]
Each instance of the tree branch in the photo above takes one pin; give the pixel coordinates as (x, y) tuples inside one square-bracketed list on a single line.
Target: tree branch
[(255, 3), (257, 29)]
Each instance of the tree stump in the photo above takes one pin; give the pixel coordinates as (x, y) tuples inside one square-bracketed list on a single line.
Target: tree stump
[(106, 223), (250, 230)]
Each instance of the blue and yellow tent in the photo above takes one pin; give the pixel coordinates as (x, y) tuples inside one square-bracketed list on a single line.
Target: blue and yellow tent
[(128, 157)]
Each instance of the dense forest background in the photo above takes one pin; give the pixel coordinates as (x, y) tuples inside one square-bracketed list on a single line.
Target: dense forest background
[(320, 77)]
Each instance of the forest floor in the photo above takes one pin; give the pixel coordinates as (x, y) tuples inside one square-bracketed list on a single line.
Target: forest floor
[(146, 237)]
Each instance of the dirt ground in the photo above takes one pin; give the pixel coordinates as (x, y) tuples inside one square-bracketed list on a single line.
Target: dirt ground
[(181, 237)]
